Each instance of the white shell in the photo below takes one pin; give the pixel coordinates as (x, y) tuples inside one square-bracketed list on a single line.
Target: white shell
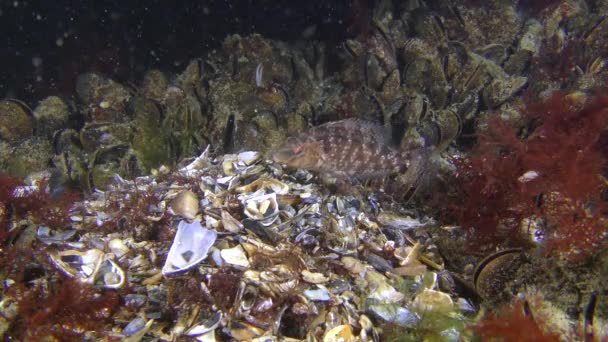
[(190, 246), (320, 294), (118, 247), (185, 204), (235, 256), (341, 333), (77, 264), (230, 224), (313, 277), (249, 157), (528, 176), (262, 207), (205, 327), (431, 300)]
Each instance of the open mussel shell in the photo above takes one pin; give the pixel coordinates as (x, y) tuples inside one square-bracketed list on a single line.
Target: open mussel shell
[(110, 275), (494, 272), (77, 264), (243, 164), (441, 129), (190, 246), (262, 208), (90, 267)]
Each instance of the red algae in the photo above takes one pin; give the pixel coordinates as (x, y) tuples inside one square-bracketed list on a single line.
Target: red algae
[(513, 324), (36, 203), (65, 310), (554, 173)]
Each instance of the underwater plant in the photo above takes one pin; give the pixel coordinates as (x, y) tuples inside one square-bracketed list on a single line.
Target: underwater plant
[(65, 310), (553, 173), (514, 323), (35, 202)]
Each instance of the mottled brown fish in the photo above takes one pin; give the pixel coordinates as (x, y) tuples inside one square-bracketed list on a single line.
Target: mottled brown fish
[(348, 148)]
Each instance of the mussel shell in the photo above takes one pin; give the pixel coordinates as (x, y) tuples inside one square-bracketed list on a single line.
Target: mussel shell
[(186, 205), (208, 325), (16, 120), (49, 236), (494, 272), (190, 246), (441, 130)]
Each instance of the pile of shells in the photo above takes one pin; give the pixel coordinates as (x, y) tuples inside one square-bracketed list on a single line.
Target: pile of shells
[(268, 255)]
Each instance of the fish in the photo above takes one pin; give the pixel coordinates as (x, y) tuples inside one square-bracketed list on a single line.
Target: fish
[(352, 148)]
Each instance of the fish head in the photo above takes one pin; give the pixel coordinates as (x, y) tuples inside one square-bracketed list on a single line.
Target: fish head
[(298, 153)]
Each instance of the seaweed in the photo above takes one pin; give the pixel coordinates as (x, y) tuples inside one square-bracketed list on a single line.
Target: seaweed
[(513, 324), (36, 202), (553, 173), (131, 211), (65, 310)]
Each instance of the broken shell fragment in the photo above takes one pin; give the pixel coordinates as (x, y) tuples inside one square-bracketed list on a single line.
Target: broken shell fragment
[(313, 277), (49, 236), (431, 300), (270, 184), (118, 247), (185, 204), (394, 313), (207, 326), (230, 224), (319, 294), (249, 157), (190, 246), (400, 222), (235, 256), (381, 290), (136, 329), (353, 265), (243, 164), (528, 176), (341, 333), (244, 331)]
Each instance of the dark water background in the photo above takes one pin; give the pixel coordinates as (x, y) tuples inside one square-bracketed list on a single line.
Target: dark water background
[(48, 43)]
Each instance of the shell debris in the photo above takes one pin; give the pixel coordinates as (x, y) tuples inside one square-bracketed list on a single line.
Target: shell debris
[(259, 255)]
